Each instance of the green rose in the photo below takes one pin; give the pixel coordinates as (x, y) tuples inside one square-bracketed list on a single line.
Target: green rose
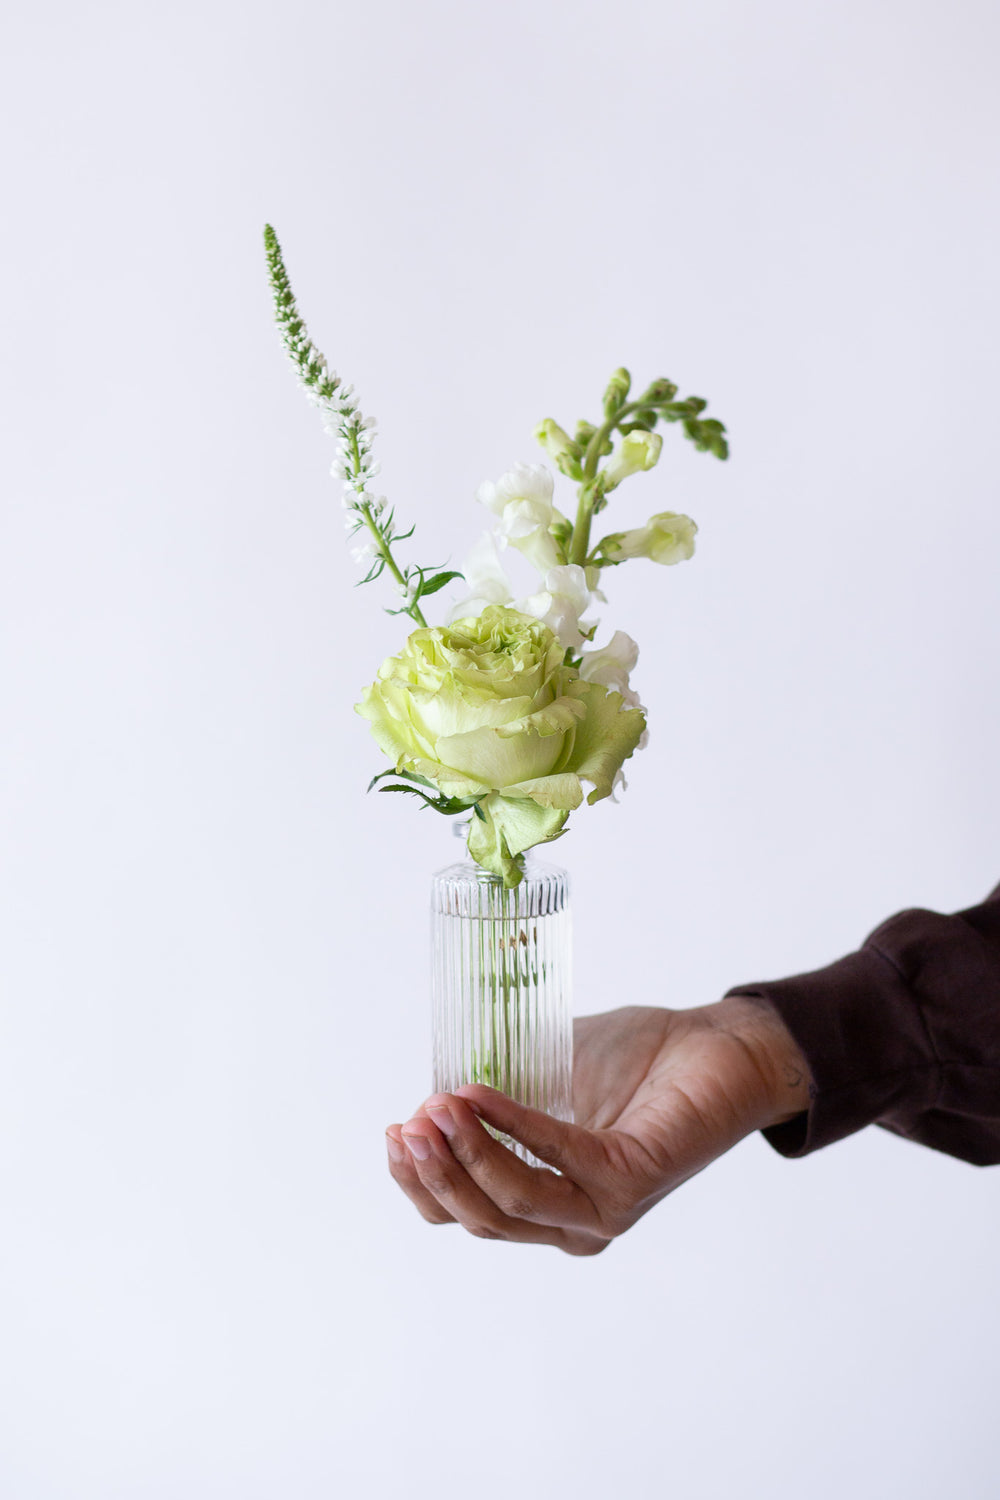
[(488, 712)]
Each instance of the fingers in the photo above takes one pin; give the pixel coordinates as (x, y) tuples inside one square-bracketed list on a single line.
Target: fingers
[(443, 1190), (575, 1152), (402, 1166), (517, 1190)]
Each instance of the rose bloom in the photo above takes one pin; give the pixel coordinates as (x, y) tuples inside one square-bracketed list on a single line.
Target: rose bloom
[(487, 711)]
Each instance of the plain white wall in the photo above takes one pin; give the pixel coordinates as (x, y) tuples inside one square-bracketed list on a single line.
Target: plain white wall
[(213, 948)]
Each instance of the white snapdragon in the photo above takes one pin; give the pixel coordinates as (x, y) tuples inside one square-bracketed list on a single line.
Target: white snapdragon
[(611, 666), (485, 579), (561, 604), (667, 538), (522, 499), (636, 451)]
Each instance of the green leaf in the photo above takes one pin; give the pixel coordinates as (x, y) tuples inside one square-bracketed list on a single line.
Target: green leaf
[(439, 581), (408, 775), (450, 807)]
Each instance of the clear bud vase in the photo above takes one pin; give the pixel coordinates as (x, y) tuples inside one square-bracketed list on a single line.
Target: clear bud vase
[(501, 985)]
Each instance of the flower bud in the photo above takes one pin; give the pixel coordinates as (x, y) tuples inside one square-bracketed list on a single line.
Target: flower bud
[(636, 452), (666, 538), (617, 392), (660, 390), (560, 446)]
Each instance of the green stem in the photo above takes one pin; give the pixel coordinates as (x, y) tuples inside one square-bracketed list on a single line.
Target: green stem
[(385, 552), (585, 507)]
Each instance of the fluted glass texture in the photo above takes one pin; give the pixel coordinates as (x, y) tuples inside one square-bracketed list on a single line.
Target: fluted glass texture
[(501, 985)]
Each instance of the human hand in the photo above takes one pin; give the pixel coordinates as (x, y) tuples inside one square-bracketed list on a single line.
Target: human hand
[(657, 1095)]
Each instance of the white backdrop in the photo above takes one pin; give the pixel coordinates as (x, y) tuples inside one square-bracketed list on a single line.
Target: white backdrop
[(213, 948)]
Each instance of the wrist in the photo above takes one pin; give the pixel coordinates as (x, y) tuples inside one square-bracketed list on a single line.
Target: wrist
[(783, 1075)]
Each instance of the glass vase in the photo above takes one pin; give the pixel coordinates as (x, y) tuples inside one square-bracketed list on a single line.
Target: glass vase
[(501, 985)]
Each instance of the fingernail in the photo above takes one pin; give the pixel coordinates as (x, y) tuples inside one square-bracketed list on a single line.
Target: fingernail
[(443, 1118), (419, 1145), (395, 1150)]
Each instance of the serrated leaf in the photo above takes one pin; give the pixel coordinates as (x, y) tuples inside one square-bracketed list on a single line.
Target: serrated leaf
[(448, 806), (406, 775), (414, 792)]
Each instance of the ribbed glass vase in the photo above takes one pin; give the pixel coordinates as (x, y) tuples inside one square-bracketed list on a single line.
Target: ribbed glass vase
[(501, 985)]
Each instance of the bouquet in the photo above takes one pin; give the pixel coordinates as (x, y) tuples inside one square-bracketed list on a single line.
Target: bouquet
[(507, 714), (505, 710)]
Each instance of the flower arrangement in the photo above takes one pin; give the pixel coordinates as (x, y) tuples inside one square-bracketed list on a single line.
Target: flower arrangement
[(507, 709)]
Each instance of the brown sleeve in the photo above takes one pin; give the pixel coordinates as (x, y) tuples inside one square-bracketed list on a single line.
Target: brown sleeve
[(904, 1033)]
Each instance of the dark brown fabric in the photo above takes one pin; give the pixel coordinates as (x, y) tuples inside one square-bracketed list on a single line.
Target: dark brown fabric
[(904, 1033)]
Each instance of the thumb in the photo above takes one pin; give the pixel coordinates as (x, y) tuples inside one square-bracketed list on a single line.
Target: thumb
[(569, 1148)]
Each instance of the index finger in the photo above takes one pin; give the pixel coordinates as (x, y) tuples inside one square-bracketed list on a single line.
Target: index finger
[(534, 1194)]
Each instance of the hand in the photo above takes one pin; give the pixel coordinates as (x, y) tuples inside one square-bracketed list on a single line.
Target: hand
[(657, 1095)]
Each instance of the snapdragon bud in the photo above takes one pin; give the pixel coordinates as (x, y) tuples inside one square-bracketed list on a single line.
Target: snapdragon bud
[(617, 392), (636, 452), (666, 538), (660, 390), (560, 446)]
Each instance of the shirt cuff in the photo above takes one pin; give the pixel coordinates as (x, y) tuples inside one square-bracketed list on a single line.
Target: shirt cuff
[(866, 1044)]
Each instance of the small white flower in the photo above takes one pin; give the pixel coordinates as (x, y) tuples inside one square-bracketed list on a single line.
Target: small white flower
[(485, 579), (561, 603), (365, 550), (522, 499), (667, 538), (611, 665), (636, 451)]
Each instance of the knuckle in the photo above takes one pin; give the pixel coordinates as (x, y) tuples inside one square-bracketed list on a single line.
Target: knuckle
[(467, 1155), (437, 1183), (548, 1150), (520, 1208)]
